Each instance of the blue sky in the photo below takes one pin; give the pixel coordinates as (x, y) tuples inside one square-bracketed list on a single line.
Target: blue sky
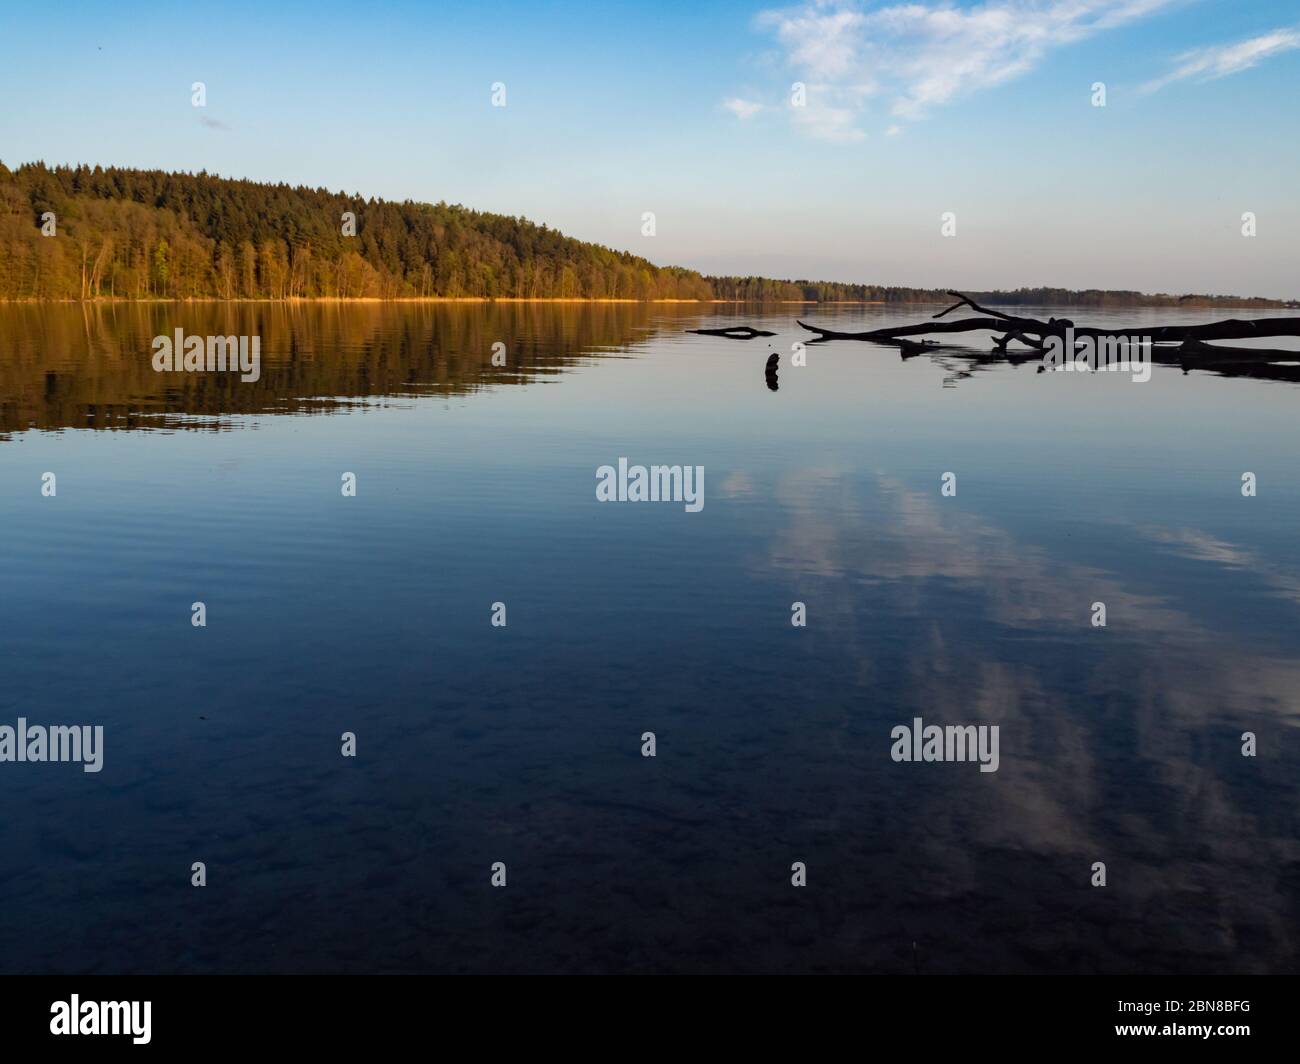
[(685, 110)]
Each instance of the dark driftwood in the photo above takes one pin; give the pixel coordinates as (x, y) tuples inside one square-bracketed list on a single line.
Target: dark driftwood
[(735, 332), (964, 362), (1034, 333)]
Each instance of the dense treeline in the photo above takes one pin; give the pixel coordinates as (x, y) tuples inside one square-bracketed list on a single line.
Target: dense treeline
[(761, 289), (1096, 297), (764, 289), (149, 234)]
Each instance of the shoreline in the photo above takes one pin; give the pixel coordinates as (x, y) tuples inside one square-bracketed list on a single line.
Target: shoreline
[(294, 300), (459, 299)]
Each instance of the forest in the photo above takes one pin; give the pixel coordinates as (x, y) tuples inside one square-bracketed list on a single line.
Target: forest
[(84, 233)]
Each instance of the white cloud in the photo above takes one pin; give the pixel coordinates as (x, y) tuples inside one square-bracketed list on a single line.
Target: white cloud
[(742, 109), (918, 56), (1218, 62)]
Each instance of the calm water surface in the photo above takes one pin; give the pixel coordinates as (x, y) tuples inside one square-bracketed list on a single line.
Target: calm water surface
[(522, 744)]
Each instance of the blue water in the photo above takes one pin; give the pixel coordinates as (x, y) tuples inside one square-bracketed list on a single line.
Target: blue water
[(522, 744)]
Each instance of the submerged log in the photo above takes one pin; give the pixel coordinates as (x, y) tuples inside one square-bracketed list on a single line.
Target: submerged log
[(892, 334), (735, 332), (1034, 333)]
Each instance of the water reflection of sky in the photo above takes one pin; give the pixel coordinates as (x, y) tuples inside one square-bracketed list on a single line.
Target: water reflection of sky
[(1120, 745)]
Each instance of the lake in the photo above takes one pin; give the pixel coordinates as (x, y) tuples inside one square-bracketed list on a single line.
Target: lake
[(522, 743)]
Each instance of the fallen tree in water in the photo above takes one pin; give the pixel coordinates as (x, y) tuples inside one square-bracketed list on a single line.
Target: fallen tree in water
[(1192, 340), (733, 332)]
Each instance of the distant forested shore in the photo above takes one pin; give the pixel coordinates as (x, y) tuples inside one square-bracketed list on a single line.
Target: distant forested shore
[(106, 233)]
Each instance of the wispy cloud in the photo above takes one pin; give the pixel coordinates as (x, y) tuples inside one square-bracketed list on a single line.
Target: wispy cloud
[(913, 57), (212, 123), (823, 119), (742, 109), (1206, 64)]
